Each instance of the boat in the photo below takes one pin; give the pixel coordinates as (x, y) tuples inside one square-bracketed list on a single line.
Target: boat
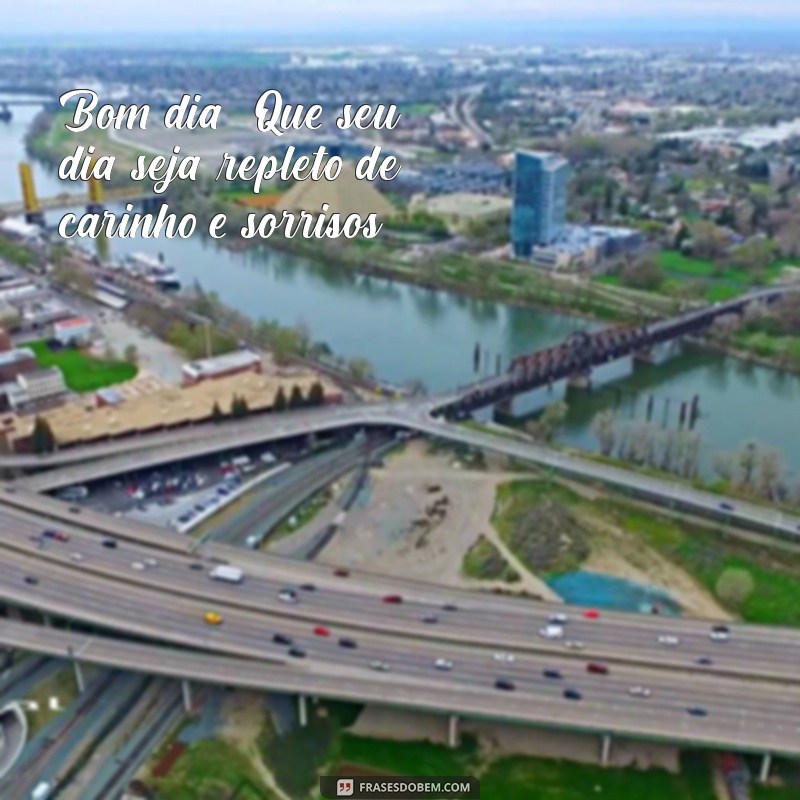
[(153, 271)]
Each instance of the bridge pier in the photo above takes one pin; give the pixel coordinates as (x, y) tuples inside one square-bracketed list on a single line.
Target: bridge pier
[(766, 763), (186, 690), (302, 710), (580, 380), (452, 731), (47, 620), (605, 749), (79, 679)]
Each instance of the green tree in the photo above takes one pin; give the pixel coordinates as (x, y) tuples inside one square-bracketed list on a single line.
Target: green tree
[(239, 407), (216, 413), (280, 403), (734, 586), (131, 354), (42, 439), (316, 394), (296, 399)]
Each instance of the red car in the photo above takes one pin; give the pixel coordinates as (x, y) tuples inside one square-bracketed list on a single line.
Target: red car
[(590, 613), (341, 573), (597, 669), (321, 630), (393, 598)]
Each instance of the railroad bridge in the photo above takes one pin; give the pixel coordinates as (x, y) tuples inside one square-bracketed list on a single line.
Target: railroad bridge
[(583, 351)]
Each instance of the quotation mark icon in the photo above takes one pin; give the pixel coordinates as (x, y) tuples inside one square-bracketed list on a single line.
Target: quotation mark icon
[(344, 787)]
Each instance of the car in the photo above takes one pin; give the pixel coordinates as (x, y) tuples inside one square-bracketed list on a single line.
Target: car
[(379, 666), (297, 652), (703, 661), (31, 580), (558, 619), (287, 596), (591, 613), (392, 598), (727, 506), (504, 658), (551, 632), (697, 711), (349, 644), (308, 587), (572, 644), (150, 562), (639, 691), (282, 638), (341, 573), (58, 536), (196, 566), (321, 630), (111, 544), (669, 640), (572, 694), (449, 607), (430, 619), (443, 664), (596, 669), (212, 618), (504, 685), (138, 566), (719, 633), (76, 557), (552, 674)]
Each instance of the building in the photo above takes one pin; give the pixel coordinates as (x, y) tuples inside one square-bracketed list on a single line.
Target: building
[(221, 367), (586, 247), (540, 201), (15, 362), (42, 384), (75, 329), (460, 210)]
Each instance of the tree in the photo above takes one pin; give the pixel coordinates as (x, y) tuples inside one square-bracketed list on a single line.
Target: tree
[(769, 474), (239, 407), (552, 418), (216, 413), (603, 427), (280, 403), (734, 586), (360, 369), (316, 394), (296, 399), (131, 354), (42, 438), (747, 458)]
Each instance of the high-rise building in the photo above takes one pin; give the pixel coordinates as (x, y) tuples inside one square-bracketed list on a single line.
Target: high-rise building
[(540, 200)]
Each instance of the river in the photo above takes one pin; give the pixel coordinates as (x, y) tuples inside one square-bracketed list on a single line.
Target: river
[(411, 333)]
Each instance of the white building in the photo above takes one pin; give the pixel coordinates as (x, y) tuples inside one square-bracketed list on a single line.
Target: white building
[(75, 329)]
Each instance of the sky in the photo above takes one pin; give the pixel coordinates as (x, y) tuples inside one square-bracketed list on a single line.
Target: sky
[(376, 17)]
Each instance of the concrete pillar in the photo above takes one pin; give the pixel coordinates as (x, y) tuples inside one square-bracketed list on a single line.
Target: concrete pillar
[(605, 749), (47, 620), (452, 730), (76, 665), (186, 689), (302, 710), (766, 763)]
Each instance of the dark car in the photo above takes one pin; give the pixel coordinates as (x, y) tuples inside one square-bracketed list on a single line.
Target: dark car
[(308, 587), (504, 685), (572, 694), (450, 607), (350, 644), (392, 598), (111, 544), (297, 652), (727, 506), (31, 580), (552, 674), (597, 669), (196, 566), (430, 619), (282, 638), (342, 573), (696, 711), (703, 661)]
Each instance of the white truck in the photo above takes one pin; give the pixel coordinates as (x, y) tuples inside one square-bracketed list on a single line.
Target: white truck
[(226, 573), (42, 791)]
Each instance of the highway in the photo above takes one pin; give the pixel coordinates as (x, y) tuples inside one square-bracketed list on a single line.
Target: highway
[(764, 722), (104, 578)]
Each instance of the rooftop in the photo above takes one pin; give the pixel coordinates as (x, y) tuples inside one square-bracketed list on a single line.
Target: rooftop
[(224, 363), (73, 322)]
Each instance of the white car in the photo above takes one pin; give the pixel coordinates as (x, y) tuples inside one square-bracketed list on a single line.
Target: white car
[(639, 691), (443, 664), (719, 633), (379, 666), (137, 565), (559, 619), (551, 632), (504, 658), (76, 557), (150, 562), (287, 596), (668, 640), (571, 644)]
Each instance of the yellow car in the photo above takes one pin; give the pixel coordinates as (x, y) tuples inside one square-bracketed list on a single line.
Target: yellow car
[(212, 618)]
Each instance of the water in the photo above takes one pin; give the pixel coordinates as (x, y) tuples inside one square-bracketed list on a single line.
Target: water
[(615, 594), (409, 333)]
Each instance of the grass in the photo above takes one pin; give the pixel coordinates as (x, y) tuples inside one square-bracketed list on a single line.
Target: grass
[(60, 684), (15, 253), (409, 758), (418, 109), (302, 515), (483, 561), (212, 768), (83, 372)]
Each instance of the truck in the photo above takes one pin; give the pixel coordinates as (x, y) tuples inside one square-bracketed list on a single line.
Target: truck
[(224, 572)]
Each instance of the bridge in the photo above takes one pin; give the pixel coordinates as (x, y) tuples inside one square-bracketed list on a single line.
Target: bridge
[(33, 207)]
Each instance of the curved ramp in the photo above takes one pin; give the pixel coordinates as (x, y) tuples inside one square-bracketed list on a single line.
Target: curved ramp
[(13, 735)]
